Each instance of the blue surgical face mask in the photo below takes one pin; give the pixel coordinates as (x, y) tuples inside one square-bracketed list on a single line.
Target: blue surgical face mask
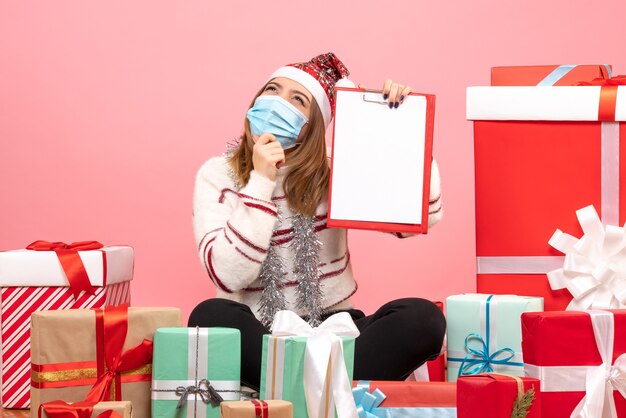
[(277, 116)]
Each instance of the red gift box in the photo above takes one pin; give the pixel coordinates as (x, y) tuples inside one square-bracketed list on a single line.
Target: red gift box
[(561, 349), (35, 281), (493, 395), (539, 156), (557, 75)]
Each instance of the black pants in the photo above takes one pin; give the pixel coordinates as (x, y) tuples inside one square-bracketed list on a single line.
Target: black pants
[(394, 341)]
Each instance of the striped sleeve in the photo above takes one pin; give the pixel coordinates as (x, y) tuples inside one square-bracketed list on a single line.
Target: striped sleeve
[(435, 204), (232, 228)]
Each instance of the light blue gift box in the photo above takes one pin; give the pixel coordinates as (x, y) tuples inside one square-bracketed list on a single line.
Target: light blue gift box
[(485, 333)]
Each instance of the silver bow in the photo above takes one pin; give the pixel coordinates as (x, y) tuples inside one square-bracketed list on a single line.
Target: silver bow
[(207, 393)]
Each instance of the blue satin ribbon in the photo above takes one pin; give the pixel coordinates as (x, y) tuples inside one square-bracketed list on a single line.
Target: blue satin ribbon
[(417, 412), (557, 74), (480, 360), (366, 402), (560, 72)]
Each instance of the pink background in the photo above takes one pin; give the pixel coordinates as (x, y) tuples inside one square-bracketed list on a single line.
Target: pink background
[(108, 108)]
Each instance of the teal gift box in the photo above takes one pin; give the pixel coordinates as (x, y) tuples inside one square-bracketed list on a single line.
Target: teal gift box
[(189, 364), (485, 333), (282, 370)]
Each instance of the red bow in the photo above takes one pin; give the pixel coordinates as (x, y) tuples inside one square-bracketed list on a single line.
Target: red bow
[(618, 80), (608, 95), (61, 409), (71, 262), (111, 329)]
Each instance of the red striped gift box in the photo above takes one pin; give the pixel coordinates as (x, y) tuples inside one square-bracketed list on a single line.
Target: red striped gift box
[(27, 286)]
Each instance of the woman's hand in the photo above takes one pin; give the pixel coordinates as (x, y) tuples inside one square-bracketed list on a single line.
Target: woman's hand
[(267, 155), (395, 92)]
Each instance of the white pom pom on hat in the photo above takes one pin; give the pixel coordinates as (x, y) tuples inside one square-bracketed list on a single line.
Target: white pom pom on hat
[(344, 82)]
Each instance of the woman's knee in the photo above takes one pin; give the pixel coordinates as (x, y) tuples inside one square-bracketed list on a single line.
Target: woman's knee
[(423, 318), (215, 312)]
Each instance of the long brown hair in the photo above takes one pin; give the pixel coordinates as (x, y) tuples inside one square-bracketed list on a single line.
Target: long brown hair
[(308, 176)]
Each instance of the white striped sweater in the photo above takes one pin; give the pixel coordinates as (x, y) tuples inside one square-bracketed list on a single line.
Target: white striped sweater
[(234, 228)]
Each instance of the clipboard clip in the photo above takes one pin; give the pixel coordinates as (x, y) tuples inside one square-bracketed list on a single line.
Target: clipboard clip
[(374, 96)]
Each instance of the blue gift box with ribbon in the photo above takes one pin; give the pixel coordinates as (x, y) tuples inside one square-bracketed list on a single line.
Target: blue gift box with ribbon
[(485, 333)]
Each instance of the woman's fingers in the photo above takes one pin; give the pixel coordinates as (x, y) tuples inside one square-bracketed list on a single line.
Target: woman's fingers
[(386, 88), (265, 138), (404, 93), (393, 96)]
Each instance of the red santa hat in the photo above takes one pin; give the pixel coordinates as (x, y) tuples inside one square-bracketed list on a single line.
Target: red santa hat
[(319, 76)]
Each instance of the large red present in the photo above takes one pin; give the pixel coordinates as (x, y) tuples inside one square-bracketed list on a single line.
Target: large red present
[(36, 280), (494, 395), (580, 359), (393, 399), (541, 153)]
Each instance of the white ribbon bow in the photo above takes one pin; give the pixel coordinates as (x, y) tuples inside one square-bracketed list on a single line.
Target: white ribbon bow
[(598, 401), (594, 271), (324, 353)]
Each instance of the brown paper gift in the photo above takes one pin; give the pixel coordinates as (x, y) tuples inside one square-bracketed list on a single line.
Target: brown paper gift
[(254, 409), (123, 408), (64, 354)]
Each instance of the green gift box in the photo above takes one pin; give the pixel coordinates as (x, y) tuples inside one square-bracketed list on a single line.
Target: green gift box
[(282, 369), (189, 366), (485, 333)]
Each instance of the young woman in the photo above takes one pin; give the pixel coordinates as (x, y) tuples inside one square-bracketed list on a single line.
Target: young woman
[(260, 224)]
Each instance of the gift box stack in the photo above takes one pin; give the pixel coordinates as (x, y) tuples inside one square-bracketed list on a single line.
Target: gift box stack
[(547, 146), (545, 335), (53, 276)]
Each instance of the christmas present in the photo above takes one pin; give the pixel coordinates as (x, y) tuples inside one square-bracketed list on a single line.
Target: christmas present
[(484, 333), (50, 276), (194, 369), (310, 367), (495, 395), (547, 75), (61, 409), (541, 153), (96, 355), (384, 399), (579, 358), (257, 409)]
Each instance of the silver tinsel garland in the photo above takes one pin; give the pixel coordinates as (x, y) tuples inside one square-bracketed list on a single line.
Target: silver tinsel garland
[(305, 266), (306, 261), (272, 296), (231, 147)]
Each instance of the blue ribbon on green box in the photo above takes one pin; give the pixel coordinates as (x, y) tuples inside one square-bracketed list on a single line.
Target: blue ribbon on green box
[(192, 369), (487, 355)]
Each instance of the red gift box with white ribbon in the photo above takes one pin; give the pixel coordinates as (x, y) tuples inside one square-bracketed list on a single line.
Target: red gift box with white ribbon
[(542, 153), (580, 359)]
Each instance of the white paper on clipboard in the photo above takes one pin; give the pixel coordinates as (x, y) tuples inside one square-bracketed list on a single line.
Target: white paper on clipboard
[(378, 158)]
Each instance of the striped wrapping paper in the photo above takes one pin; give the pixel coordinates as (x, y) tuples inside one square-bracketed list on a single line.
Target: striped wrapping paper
[(35, 281), (17, 304)]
